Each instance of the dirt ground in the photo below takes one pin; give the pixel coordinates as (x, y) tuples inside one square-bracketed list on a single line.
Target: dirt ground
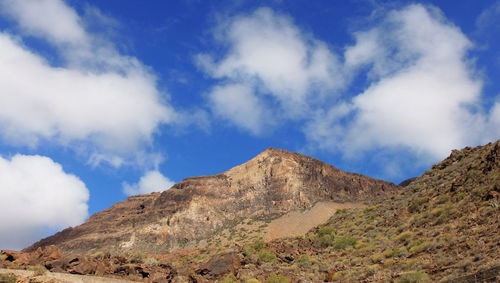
[(300, 222), (52, 277)]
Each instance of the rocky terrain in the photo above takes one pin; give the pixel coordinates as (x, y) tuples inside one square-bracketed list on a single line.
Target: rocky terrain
[(442, 227), (193, 211)]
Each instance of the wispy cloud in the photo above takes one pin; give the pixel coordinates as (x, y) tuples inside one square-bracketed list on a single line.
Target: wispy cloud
[(488, 19)]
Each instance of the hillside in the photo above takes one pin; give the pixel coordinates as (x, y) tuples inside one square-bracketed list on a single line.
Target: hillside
[(443, 227), (198, 209)]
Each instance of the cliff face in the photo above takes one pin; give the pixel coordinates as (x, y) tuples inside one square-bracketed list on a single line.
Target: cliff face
[(271, 184)]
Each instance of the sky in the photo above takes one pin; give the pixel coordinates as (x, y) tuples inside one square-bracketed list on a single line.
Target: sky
[(101, 100)]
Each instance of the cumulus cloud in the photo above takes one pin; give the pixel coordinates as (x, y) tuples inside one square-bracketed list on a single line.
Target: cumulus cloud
[(268, 52), (239, 105), (37, 195), (152, 181), (422, 93), (95, 98), (51, 19)]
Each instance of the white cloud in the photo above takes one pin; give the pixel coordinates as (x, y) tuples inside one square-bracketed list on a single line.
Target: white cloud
[(37, 195), (51, 19), (493, 123), (152, 181), (269, 53), (420, 94), (424, 95), (97, 98), (239, 105)]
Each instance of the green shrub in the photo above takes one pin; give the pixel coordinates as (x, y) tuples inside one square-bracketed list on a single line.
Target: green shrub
[(369, 209), (416, 204), (37, 269), (395, 252), (230, 279), (8, 278), (372, 269), (340, 276), (442, 213), (443, 199), (411, 264), (248, 251), (344, 242), (324, 241), (325, 230), (304, 261), (377, 258), (404, 236), (341, 211), (266, 256), (258, 244), (389, 262), (364, 247), (277, 278), (413, 277), (420, 246)]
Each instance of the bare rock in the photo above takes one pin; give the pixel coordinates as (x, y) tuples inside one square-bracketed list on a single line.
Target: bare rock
[(220, 265), (81, 266), (16, 257)]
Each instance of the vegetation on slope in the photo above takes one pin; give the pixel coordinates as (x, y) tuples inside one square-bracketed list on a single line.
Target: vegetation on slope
[(444, 226)]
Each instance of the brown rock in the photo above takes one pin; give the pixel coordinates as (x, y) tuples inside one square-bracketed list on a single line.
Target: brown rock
[(18, 258), (124, 270), (102, 268), (197, 278), (51, 253), (44, 255), (81, 266), (220, 265)]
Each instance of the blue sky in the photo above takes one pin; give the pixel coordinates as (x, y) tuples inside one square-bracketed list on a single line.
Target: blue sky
[(104, 99)]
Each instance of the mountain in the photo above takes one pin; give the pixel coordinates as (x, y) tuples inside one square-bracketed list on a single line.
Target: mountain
[(197, 211), (442, 227)]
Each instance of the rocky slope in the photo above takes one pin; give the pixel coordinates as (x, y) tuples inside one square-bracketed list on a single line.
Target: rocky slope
[(443, 227), (191, 212)]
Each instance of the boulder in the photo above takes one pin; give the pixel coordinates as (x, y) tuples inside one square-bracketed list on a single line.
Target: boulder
[(18, 258), (220, 265), (81, 266)]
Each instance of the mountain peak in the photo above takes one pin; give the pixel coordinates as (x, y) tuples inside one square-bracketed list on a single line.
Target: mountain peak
[(269, 185), (272, 151)]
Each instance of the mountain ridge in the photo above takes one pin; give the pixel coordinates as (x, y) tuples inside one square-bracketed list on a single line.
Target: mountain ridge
[(271, 184)]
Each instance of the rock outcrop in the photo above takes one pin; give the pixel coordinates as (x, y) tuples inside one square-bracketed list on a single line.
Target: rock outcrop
[(271, 184)]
